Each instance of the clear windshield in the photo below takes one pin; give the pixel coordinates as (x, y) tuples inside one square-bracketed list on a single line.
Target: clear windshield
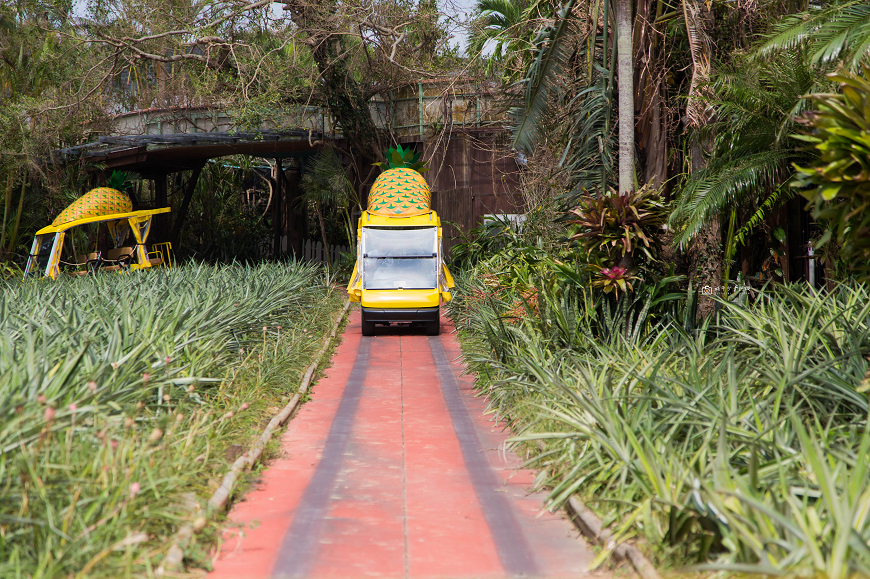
[(41, 252), (400, 258)]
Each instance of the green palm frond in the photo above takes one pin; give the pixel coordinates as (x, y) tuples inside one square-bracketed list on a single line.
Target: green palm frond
[(836, 33), (753, 147), (724, 185), (541, 79), (325, 181), (507, 26), (774, 200), (590, 153), (496, 19)]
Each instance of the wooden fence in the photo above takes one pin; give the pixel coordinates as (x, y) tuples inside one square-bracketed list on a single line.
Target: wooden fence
[(314, 251)]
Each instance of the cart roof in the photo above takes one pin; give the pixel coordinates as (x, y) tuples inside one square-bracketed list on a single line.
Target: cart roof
[(428, 219), (100, 218)]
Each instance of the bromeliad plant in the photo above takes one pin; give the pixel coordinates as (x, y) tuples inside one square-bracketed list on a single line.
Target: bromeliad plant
[(615, 230), (613, 279)]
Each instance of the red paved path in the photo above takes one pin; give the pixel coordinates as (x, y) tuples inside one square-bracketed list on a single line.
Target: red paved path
[(392, 470)]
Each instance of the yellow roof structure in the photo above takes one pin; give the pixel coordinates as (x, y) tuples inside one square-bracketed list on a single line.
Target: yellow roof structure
[(136, 215), (370, 219)]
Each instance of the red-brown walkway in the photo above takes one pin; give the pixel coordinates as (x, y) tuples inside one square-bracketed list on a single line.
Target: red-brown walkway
[(392, 470)]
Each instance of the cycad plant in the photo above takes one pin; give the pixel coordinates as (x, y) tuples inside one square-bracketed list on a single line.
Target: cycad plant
[(750, 167), (837, 32)]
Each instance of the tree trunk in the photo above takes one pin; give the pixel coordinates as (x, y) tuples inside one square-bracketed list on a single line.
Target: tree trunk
[(296, 214), (277, 221), (344, 97), (185, 206), (160, 225), (625, 69), (705, 251), (650, 134)]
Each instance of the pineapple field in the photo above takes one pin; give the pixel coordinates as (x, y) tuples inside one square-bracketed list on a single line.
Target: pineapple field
[(124, 398)]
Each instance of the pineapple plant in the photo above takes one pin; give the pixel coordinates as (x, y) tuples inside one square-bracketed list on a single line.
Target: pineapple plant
[(400, 190)]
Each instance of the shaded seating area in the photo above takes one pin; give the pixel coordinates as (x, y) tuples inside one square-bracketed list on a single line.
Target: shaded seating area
[(128, 233), (117, 259)]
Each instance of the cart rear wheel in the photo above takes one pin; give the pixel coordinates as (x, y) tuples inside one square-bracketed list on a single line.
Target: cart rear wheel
[(368, 328)]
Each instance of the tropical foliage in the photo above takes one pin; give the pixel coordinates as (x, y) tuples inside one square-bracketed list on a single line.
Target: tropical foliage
[(838, 186), (756, 112), (616, 226), (838, 32), (326, 186), (504, 31), (740, 445)]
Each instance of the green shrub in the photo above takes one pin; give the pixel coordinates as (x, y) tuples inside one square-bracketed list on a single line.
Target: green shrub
[(741, 445), (838, 186)]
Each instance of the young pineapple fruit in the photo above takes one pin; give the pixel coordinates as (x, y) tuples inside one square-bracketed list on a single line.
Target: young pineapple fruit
[(400, 190)]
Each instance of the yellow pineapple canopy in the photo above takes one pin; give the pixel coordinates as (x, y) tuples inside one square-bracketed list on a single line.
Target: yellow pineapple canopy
[(95, 203), (400, 192)]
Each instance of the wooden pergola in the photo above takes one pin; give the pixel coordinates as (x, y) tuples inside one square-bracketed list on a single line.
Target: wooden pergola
[(156, 157)]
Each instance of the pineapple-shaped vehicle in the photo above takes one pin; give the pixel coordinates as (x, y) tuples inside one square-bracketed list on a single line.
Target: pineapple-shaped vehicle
[(54, 250), (399, 276)]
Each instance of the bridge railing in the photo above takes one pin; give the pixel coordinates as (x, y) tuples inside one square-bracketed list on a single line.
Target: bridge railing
[(411, 111)]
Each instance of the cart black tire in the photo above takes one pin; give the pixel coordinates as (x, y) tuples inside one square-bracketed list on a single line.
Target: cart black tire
[(368, 328), (433, 328)]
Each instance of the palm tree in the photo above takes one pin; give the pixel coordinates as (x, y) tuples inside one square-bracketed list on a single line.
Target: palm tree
[(507, 26), (588, 147), (754, 110), (625, 67)]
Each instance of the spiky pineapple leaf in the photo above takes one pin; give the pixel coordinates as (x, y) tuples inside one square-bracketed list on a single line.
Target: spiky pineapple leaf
[(400, 158), (119, 180)]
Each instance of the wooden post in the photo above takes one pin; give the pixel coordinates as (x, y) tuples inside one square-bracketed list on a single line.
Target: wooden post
[(185, 205), (161, 199), (297, 222), (277, 214)]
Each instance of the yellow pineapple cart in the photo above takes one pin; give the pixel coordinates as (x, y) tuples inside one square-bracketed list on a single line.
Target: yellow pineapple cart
[(400, 276), (128, 230)]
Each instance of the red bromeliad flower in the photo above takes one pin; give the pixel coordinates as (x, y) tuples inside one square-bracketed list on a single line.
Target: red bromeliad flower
[(614, 272), (613, 279)]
